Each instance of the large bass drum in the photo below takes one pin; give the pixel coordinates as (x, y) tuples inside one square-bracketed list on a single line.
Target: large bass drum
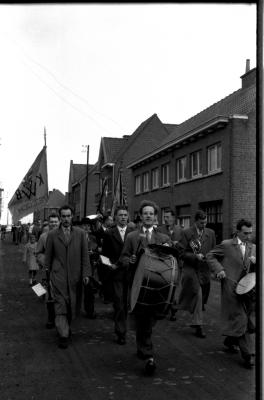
[(155, 280)]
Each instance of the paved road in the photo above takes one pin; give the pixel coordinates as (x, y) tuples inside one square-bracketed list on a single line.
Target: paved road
[(94, 367)]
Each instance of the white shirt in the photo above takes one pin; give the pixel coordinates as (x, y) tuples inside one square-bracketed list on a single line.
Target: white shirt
[(150, 230), (122, 231), (242, 246)]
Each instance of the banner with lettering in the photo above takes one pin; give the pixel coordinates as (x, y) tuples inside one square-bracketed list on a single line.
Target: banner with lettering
[(32, 193)]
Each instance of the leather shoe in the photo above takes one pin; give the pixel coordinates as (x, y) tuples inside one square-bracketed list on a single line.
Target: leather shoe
[(199, 332), (121, 340), (50, 325), (150, 366), (63, 343)]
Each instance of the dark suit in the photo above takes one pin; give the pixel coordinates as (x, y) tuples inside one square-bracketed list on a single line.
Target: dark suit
[(144, 321), (175, 235), (195, 280), (112, 247)]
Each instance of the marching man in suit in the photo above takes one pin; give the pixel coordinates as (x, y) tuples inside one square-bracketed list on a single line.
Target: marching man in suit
[(230, 261), (68, 262), (135, 242), (113, 244), (195, 280)]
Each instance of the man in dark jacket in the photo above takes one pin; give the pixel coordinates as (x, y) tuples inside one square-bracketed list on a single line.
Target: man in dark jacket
[(68, 261), (135, 242), (113, 244), (196, 241)]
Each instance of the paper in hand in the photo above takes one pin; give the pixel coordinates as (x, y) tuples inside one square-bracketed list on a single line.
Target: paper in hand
[(39, 289), (105, 260)]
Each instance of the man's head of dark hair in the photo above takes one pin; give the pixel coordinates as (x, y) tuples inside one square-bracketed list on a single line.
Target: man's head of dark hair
[(169, 210), (120, 207), (200, 214), (65, 207), (148, 203), (243, 222)]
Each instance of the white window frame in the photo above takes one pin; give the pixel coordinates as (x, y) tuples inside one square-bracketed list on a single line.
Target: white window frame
[(145, 179), (165, 173), (155, 178), (184, 221), (199, 166), (181, 165), (214, 158), (137, 184)]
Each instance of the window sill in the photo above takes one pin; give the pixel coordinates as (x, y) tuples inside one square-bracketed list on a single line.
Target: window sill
[(199, 177)]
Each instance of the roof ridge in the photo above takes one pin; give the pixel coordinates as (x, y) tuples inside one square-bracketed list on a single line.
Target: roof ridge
[(136, 132)]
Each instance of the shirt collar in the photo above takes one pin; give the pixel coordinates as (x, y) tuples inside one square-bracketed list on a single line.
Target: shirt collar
[(122, 228), (149, 229), (239, 241)]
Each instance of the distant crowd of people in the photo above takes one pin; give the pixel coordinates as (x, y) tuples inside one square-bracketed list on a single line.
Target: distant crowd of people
[(102, 254)]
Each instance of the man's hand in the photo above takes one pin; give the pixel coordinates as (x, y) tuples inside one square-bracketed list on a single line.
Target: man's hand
[(113, 266), (221, 275), (133, 259), (200, 256), (86, 280), (252, 259)]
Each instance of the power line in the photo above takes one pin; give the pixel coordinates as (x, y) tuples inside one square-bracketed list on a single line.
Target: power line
[(65, 87)]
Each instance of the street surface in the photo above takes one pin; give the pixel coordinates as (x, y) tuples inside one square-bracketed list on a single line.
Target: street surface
[(94, 367)]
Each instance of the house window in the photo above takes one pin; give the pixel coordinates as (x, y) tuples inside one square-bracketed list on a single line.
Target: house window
[(196, 164), (214, 154), (165, 174), (137, 184), (181, 166), (146, 182), (184, 221), (155, 178)]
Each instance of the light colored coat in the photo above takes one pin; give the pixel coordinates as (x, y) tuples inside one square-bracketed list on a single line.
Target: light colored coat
[(227, 256), (68, 265), (29, 256)]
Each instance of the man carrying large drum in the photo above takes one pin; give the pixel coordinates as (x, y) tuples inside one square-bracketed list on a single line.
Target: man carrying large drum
[(233, 262), (137, 256)]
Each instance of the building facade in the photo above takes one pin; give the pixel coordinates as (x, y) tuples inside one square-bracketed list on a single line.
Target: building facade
[(207, 162)]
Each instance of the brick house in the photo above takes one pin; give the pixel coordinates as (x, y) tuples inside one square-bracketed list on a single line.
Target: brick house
[(79, 184), (146, 137), (56, 199), (208, 162)]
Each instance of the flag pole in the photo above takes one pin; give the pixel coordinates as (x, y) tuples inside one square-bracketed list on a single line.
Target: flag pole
[(45, 136)]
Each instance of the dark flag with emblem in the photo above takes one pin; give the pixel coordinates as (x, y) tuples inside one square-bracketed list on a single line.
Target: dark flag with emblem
[(32, 193)]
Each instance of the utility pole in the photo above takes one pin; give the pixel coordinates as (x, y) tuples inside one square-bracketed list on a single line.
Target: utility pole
[(86, 182)]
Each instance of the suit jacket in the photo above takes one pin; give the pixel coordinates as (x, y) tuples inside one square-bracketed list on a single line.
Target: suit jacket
[(175, 235), (227, 256), (195, 273), (68, 263), (136, 241), (112, 248)]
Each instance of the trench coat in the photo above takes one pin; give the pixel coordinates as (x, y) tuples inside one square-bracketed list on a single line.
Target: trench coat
[(68, 264), (195, 273), (227, 256)]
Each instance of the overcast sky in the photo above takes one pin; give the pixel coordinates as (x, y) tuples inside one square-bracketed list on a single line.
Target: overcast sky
[(87, 71)]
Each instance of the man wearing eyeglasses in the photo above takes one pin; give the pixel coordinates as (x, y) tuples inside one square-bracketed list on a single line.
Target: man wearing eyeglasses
[(231, 261)]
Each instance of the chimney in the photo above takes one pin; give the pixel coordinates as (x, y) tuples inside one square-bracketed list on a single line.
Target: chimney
[(247, 65), (249, 78)]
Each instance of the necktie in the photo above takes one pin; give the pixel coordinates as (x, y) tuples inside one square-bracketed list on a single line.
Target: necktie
[(243, 248), (67, 235), (122, 232), (148, 235)]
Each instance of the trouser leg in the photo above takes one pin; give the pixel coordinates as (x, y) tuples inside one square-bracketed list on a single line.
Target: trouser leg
[(197, 316), (88, 300), (144, 325), (244, 344), (62, 325), (120, 307)]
